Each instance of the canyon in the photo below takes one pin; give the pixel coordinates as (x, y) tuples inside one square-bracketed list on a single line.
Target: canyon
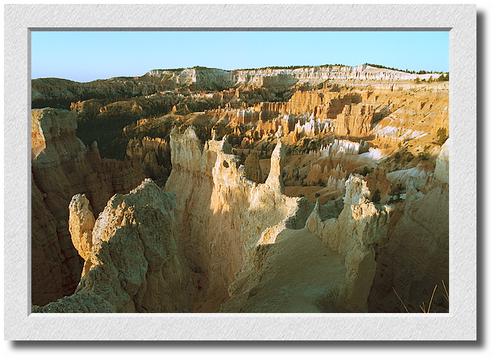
[(281, 189)]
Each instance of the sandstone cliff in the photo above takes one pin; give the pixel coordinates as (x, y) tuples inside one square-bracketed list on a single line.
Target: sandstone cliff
[(413, 265), (298, 189), (221, 213), (133, 264), (200, 78), (355, 121), (229, 244), (61, 167), (318, 74), (353, 234), (60, 92), (153, 154)]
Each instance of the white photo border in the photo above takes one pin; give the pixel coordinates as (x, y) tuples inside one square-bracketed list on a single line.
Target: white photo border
[(458, 324)]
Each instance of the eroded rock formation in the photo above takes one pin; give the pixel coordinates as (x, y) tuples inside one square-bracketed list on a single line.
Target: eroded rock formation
[(307, 189), (221, 213), (153, 154), (317, 74), (81, 223), (133, 263), (61, 167), (413, 262), (360, 226)]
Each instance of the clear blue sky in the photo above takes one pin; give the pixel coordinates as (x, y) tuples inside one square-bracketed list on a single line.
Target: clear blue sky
[(89, 55)]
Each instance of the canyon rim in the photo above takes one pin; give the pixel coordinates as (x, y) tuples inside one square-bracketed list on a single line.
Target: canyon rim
[(312, 188)]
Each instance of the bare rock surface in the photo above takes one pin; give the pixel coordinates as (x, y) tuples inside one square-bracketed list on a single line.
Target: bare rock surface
[(222, 214), (135, 265), (287, 189), (61, 167), (81, 223), (353, 234)]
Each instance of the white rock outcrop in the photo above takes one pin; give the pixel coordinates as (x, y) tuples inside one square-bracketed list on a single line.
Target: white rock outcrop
[(274, 180), (442, 164), (353, 235), (134, 262), (221, 214), (318, 74)]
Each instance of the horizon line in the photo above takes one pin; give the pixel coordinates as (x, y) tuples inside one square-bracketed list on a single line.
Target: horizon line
[(386, 67), (86, 56)]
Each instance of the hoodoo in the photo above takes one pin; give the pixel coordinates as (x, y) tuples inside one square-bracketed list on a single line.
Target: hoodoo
[(283, 189)]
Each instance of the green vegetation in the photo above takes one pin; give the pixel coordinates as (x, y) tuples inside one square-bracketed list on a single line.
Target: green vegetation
[(173, 70), (419, 72), (443, 77), (442, 136), (291, 67), (424, 155)]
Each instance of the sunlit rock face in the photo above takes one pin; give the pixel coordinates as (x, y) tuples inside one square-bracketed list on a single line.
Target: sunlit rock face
[(61, 167), (360, 226), (355, 121), (306, 189), (442, 164), (317, 74), (132, 260), (255, 214), (222, 215), (198, 77), (81, 223)]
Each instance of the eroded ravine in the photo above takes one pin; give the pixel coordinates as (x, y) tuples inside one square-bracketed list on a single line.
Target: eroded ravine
[(327, 199), (197, 247)]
